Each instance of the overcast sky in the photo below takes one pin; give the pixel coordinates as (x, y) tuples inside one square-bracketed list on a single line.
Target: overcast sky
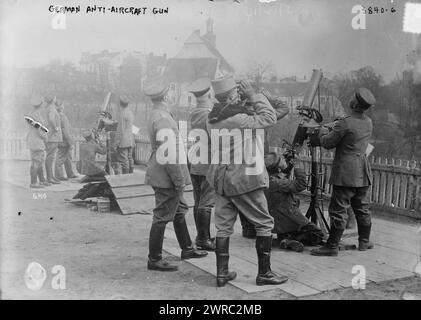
[(305, 34)]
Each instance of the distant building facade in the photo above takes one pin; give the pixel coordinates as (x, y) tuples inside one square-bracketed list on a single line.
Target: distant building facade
[(198, 58), (121, 71), (292, 90)]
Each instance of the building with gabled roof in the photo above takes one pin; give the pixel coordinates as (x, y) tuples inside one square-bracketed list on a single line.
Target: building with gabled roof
[(198, 58)]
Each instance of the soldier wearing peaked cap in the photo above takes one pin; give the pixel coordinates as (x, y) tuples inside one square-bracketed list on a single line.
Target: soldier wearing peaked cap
[(124, 138), (351, 173), (54, 138), (36, 139), (203, 192), (238, 188), (168, 180), (64, 153)]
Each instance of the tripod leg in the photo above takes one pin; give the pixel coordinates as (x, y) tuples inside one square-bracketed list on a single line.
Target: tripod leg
[(322, 222), (322, 219)]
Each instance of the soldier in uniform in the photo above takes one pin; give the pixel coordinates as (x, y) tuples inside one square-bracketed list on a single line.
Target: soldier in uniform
[(87, 154), (36, 139), (202, 191), (237, 187), (64, 153), (54, 137), (281, 110), (294, 230), (351, 173), (168, 181), (124, 139)]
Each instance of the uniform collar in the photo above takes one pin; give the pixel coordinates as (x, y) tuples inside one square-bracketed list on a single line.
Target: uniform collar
[(356, 114)]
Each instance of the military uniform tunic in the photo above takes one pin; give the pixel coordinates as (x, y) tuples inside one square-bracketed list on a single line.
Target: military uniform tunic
[(36, 139), (351, 172), (54, 137), (64, 153), (124, 140), (239, 186), (166, 177), (202, 191)]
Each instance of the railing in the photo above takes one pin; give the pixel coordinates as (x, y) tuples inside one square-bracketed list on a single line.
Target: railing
[(13, 147), (396, 183)]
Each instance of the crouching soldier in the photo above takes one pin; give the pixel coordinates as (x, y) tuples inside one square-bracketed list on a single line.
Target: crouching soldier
[(203, 192), (351, 173), (168, 177), (293, 229), (36, 139), (87, 164), (239, 183)]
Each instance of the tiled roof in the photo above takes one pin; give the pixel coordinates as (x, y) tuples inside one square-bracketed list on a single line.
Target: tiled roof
[(197, 58)]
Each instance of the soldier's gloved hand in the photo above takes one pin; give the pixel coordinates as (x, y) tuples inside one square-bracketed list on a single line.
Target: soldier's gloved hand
[(323, 131), (246, 88)]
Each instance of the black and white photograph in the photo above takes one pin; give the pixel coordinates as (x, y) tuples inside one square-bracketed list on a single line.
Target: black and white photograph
[(221, 153)]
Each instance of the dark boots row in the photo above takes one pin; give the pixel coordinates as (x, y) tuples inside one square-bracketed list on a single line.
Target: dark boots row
[(156, 239), (331, 248), (265, 275)]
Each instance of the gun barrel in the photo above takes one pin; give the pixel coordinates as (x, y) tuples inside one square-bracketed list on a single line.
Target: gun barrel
[(311, 90)]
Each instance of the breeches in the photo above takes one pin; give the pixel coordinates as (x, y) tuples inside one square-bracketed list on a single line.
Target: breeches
[(252, 205), (169, 206), (37, 156), (63, 154), (345, 197), (203, 193), (123, 156)]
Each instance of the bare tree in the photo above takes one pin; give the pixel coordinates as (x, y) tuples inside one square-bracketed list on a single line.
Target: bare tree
[(259, 70)]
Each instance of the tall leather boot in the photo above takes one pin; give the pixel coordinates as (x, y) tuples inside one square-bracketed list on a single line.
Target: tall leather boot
[(195, 217), (203, 240), (364, 238), (223, 275), (34, 176), (183, 238), (49, 171), (249, 231), (69, 169), (41, 177), (265, 275), (331, 248), (59, 173), (156, 239), (117, 169)]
